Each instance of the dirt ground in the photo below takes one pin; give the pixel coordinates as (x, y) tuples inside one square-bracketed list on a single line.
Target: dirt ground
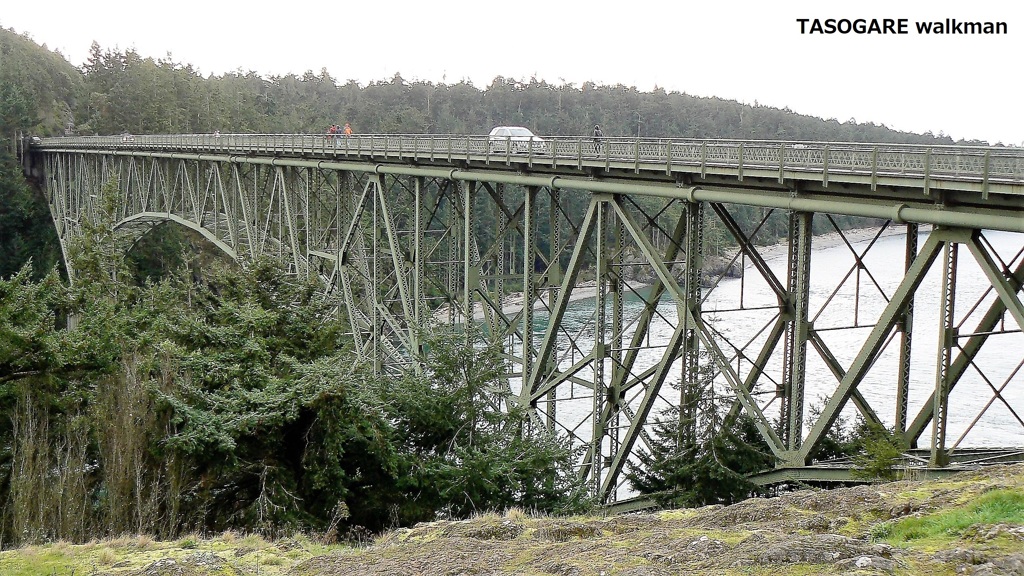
[(804, 532), (908, 527)]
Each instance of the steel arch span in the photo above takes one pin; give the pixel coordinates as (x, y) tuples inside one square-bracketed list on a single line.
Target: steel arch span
[(670, 244)]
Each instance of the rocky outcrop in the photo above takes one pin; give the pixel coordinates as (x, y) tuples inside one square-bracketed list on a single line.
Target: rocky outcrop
[(806, 532)]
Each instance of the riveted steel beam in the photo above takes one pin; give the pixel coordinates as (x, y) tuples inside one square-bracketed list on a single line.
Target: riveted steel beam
[(903, 211), (690, 392), (798, 286), (873, 344), (529, 288), (906, 339), (947, 338)]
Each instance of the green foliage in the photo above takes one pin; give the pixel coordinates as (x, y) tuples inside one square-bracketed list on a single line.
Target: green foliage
[(842, 440), (881, 451), (698, 456), (161, 253), (16, 111), (38, 88), (876, 452), (249, 363), (30, 341), (466, 446), (26, 230), (994, 507), (710, 470), (249, 413)]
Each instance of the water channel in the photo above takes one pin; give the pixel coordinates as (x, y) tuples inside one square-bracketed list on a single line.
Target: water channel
[(986, 406)]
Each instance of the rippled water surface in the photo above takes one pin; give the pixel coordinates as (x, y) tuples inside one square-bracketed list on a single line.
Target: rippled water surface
[(844, 304)]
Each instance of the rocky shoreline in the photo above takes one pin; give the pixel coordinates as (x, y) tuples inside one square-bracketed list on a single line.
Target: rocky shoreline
[(638, 273)]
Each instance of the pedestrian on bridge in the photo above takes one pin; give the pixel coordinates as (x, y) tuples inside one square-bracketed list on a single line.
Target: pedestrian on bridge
[(348, 129), (597, 138)]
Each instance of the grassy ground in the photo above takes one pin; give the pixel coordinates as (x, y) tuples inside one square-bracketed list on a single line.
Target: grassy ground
[(970, 523), (227, 554)]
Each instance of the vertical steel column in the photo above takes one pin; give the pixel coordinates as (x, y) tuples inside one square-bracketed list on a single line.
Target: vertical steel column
[(529, 283), (339, 262), (499, 253), (947, 337), (307, 232), (374, 288), (797, 334), (906, 337), (554, 280), (453, 254), (599, 354), (469, 276), (690, 348), (617, 376), (419, 305)]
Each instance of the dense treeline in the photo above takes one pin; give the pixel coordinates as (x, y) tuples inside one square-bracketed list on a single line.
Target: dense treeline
[(170, 392), (125, 92), (117, 91), (122, 91)]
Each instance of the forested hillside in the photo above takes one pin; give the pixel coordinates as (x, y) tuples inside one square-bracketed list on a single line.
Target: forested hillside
[(121, 91), (207, 396)]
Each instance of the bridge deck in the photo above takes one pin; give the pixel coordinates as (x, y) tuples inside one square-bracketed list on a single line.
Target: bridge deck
[(980, 170)]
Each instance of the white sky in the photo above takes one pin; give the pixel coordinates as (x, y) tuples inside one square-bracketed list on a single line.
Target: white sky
[(964, 86)]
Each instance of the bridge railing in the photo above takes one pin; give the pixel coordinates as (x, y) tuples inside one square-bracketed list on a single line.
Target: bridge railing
[(963, 163)]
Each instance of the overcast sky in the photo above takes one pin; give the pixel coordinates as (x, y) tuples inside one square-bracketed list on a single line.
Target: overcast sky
[(965, 86)]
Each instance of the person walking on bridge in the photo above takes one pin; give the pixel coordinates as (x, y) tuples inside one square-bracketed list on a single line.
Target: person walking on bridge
[(348, 129), (597, 138)]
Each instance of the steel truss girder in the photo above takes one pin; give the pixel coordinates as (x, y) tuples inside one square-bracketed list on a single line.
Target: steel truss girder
[(791, 322), (874, 342), (1012, 280), (399, 245)]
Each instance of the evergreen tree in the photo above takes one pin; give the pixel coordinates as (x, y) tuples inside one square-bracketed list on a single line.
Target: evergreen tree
[(695, 459), (466, 446)]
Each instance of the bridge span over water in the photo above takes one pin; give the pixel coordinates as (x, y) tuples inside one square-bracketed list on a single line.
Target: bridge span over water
[(406, 230)]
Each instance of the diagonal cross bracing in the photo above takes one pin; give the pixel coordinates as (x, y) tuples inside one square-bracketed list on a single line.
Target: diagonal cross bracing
[(873, 344), (399, 236)]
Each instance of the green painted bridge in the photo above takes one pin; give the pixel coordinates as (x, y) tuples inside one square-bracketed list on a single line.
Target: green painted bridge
[(406, 230)]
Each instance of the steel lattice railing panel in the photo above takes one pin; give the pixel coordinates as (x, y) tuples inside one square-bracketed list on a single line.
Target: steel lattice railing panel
[(958, 163)]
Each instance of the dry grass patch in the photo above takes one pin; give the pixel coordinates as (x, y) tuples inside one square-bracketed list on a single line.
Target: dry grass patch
[(254, 541), (516, 514), (565, 531), (106, 556), (61, 546)]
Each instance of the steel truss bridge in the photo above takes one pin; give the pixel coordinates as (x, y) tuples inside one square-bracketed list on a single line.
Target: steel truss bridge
[(406, 230)]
